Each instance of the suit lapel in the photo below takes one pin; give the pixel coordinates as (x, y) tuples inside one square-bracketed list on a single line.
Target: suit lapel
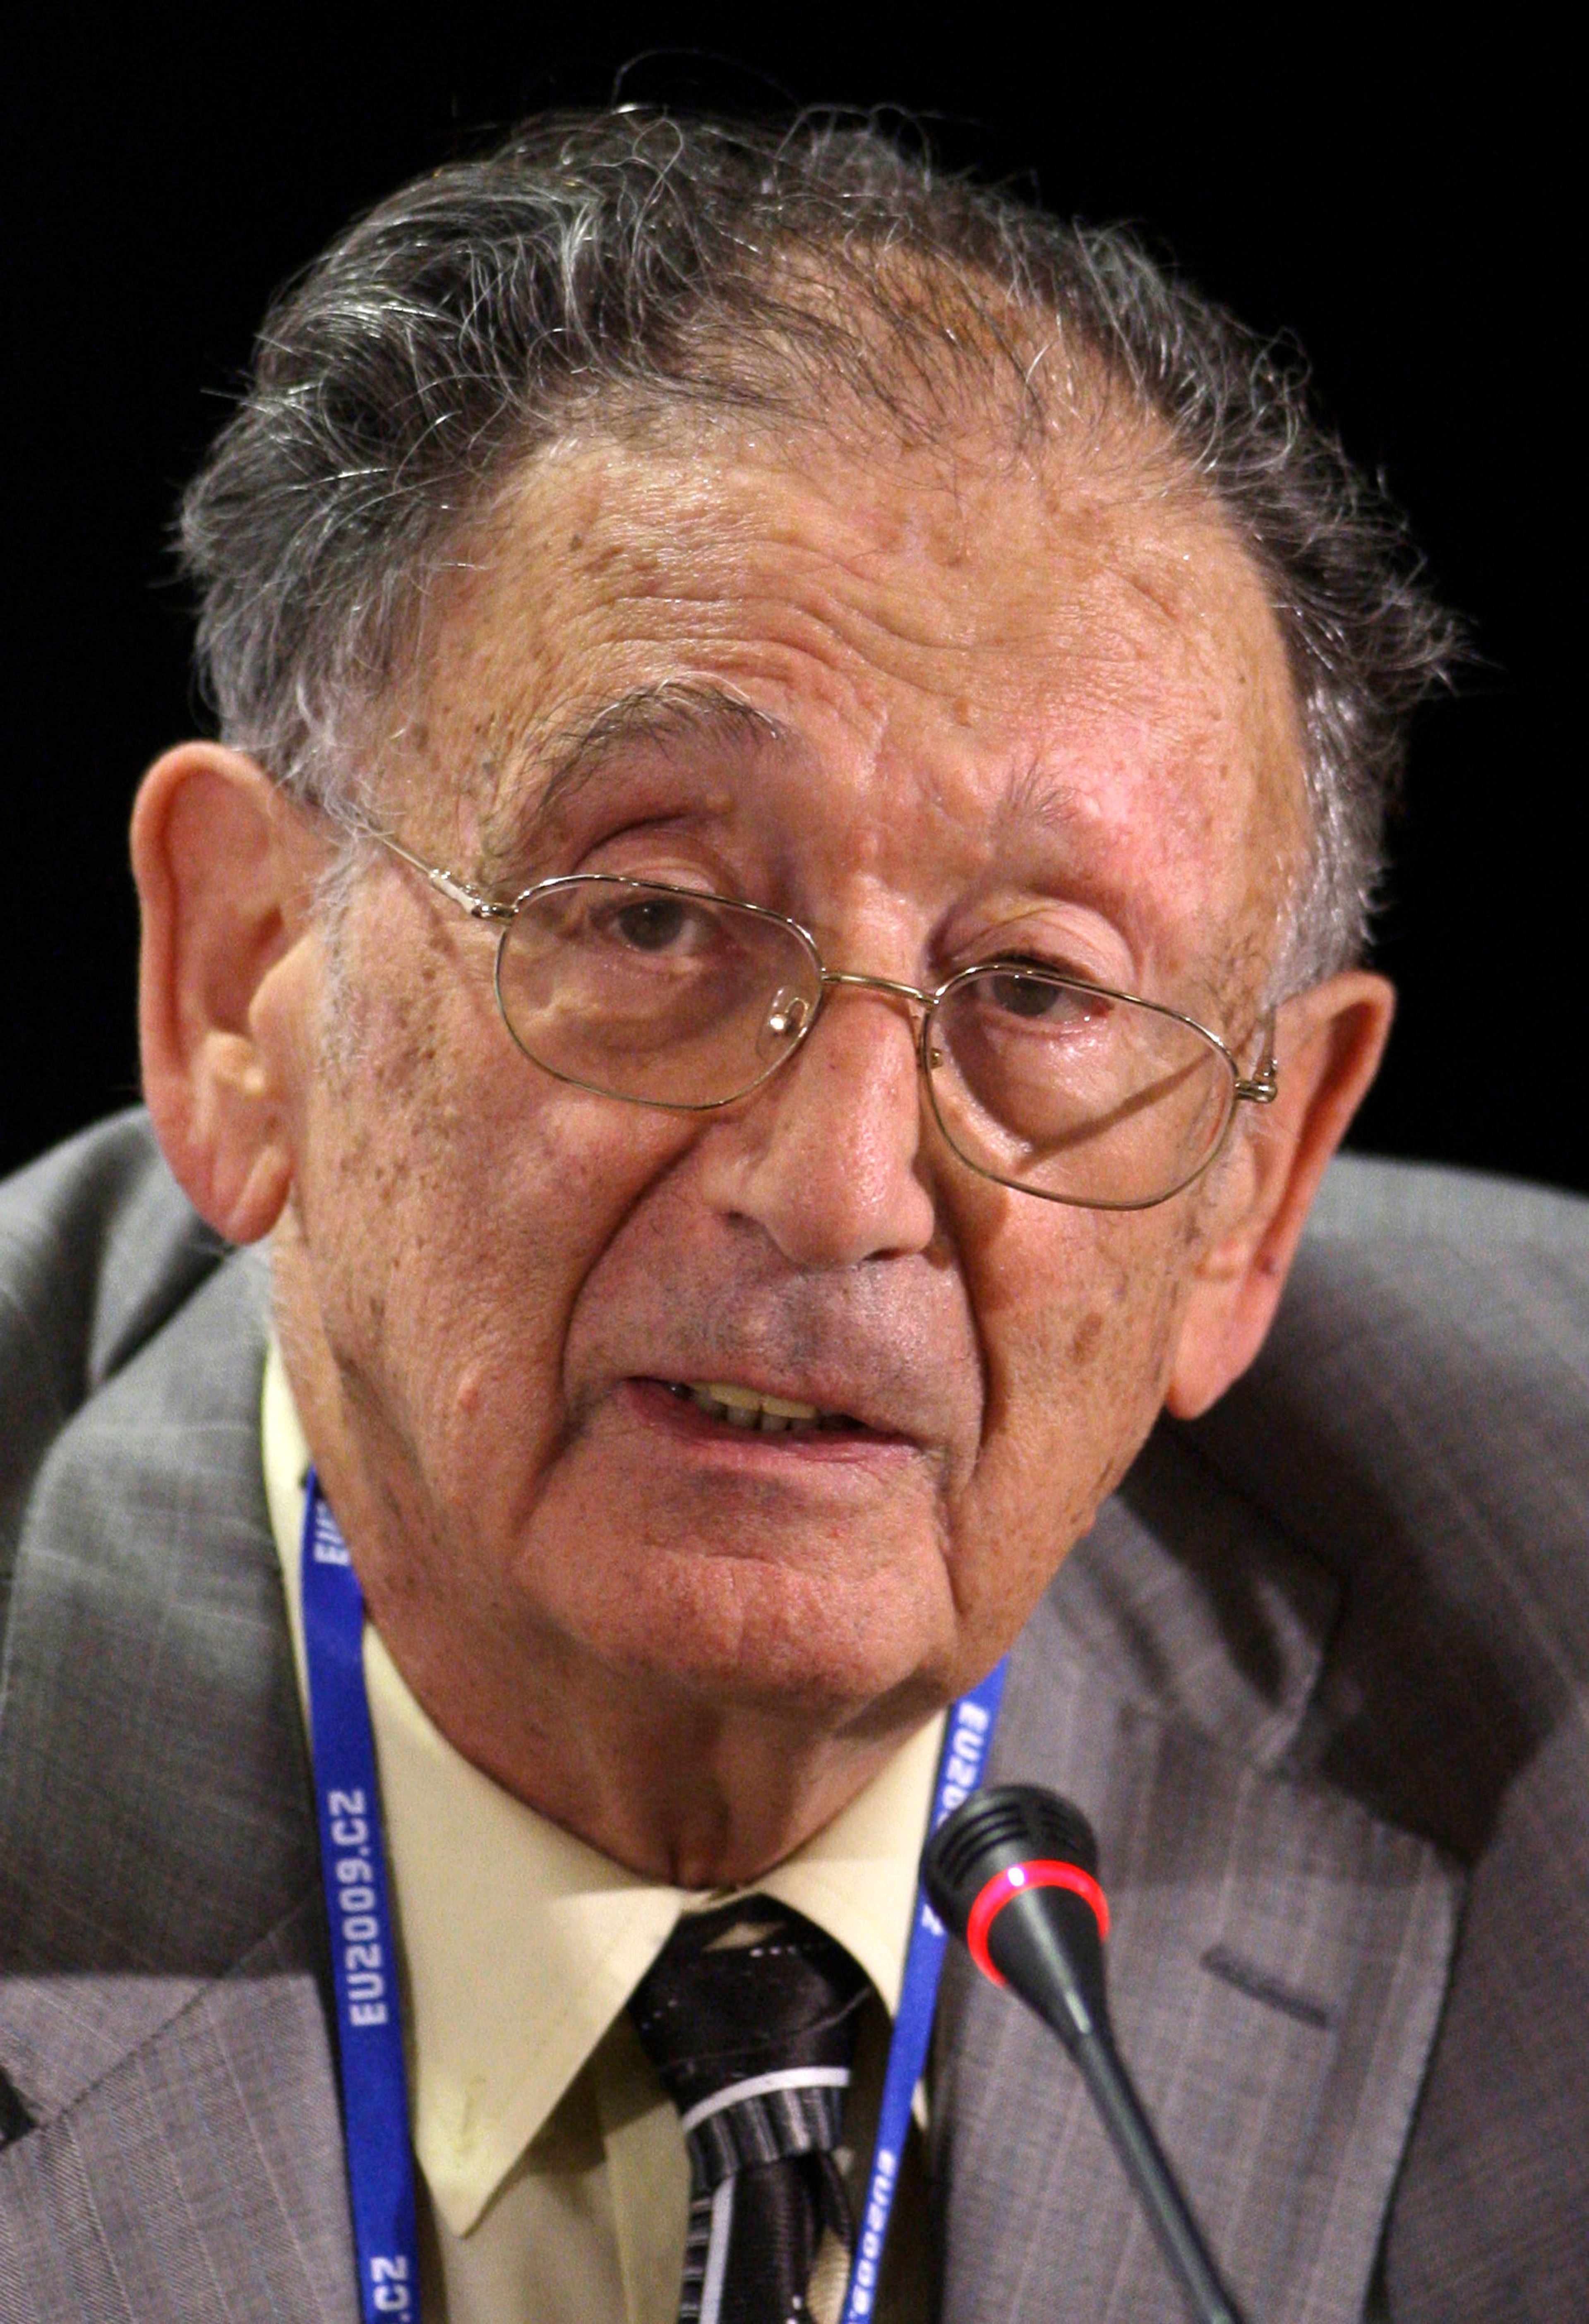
[(162, 2011), (1278, 1956), (202, 2175)]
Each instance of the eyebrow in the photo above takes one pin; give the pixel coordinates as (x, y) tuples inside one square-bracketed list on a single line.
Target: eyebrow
[(659, 716), (673, 711), (1042, 796)]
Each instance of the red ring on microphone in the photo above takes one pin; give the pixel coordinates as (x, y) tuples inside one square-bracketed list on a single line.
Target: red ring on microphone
[(1042, 1873)]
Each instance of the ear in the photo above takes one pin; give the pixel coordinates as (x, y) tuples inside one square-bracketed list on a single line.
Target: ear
[(1328, 1044), (225, 869)]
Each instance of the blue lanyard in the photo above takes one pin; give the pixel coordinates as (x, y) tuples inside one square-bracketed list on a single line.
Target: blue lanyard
[(364, 1959), (369, 2034), (967, 1734)]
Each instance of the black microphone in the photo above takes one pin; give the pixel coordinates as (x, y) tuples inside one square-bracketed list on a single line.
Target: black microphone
[(1013, 1873)]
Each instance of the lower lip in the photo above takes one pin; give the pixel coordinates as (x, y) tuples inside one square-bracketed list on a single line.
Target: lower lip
[(682, 1419)]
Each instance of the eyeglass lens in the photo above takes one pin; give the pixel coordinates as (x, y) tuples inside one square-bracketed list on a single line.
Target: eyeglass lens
[(1074, 1093), (649, 993)]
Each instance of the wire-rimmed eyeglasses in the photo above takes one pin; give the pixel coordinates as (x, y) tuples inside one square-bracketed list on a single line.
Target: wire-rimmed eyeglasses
[(660, 996)]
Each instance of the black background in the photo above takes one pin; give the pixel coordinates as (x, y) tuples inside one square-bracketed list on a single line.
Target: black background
[(1400, 210)]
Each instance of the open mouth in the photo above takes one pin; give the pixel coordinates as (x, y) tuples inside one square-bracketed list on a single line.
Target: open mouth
[(768, 1415)]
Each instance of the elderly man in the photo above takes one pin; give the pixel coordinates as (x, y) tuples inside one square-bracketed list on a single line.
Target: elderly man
[(769, 945)]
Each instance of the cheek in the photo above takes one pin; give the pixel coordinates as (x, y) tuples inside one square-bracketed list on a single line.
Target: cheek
[(454, 1200), (1078, 1316)]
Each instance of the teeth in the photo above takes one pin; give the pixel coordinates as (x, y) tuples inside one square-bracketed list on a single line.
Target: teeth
[(745, 1407)]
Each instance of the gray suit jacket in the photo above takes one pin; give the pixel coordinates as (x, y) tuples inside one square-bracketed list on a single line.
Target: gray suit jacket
[(1318, 1676)]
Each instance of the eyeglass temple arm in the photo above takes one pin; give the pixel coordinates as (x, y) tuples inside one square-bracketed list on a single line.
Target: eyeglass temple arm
[(1265, 1086), (457, 891)]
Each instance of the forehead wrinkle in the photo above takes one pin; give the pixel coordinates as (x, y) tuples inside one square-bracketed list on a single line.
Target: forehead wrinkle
[(659, 715), (663, 565)]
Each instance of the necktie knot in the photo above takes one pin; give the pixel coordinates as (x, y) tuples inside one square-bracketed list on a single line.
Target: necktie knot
[(748, 2015)]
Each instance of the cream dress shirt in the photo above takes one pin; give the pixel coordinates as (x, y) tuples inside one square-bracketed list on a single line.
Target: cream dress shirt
[(555, 2167)]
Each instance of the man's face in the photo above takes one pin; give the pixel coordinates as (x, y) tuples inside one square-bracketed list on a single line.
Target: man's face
[(935, 709)]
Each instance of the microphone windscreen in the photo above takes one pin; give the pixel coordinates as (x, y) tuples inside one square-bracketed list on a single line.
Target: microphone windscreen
[(1006, 1825)]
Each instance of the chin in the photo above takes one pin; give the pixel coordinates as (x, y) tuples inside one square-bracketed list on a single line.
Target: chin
[(743, 1633)]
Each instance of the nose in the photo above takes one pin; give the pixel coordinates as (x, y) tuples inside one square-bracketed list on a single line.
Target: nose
[(825, 1158)]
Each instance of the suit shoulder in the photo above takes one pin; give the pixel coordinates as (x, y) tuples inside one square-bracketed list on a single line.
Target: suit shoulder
[(98, 1247), (1446, 1294), (1418, 1423), (1368, 1198)]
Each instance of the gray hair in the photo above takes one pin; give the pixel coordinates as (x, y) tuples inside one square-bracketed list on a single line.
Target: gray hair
[(598, 268)]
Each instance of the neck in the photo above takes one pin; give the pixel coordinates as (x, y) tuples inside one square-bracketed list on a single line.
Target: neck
[(700, 1796)]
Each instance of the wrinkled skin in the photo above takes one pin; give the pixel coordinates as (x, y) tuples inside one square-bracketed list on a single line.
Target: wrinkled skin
[(934, 710)]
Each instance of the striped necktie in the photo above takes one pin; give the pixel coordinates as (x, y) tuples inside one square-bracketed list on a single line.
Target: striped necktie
[(748, 2015)]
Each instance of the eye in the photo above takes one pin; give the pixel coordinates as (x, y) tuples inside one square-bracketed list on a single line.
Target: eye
[(1024, 996), (1032, 990), (652, 923)]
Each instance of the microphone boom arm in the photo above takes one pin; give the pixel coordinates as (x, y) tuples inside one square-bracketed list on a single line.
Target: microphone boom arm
[(1012, 1872)]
